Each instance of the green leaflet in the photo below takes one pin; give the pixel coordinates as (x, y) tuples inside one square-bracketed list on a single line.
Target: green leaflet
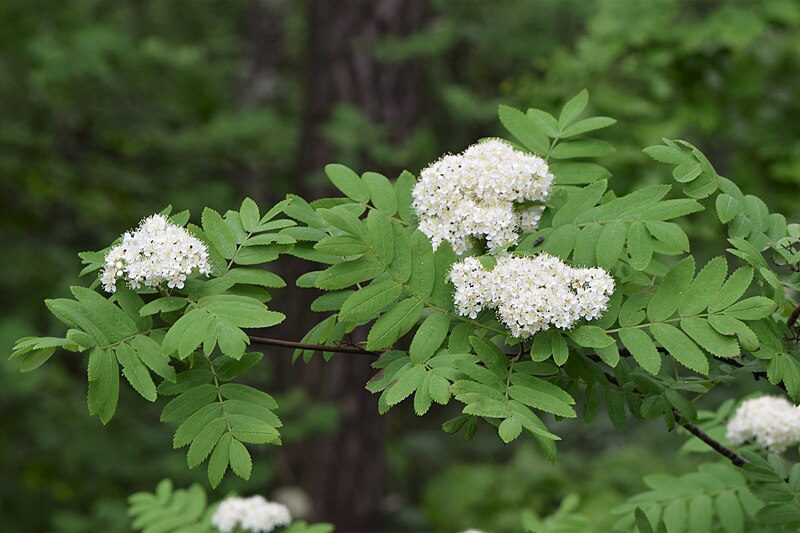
[(751, 308), (343, 245), (610, 243), (103, 385), (168, 510), (393, 324), (249, 214), (582, 148), (524, 129), (218, 461), (704, 288), (727, 207), (680, 347), (577, 173), (366, 303), (669, 295), (590, 337), (380, 236), (587, 125), (342, 218), (136, 372), (218, 233), (331, 301), (406, 383), (710, 339), (669, 234), (255, 276), (572, 109), (381, 192), (732, 289), (728, 325), (347, 181), (422, 266), (586, 244), (430, 335), (640, 246), (239, 459), (343, 275), (163, 305), (642, 348), (403, 187), (490, 355), (540, 394)]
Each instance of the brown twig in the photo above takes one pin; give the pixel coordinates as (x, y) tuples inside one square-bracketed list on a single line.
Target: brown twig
[(793, 317), (717, 446), (315, 347)]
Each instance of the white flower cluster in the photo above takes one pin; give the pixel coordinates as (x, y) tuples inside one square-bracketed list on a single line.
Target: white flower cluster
[(157, 251), (771, 421), (474, 194), (531, 293), (250, 514)]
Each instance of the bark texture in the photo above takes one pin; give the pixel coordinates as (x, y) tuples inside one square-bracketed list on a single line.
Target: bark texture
[(344, 473)]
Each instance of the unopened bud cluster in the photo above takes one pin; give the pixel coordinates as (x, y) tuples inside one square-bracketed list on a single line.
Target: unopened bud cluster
[(480, 193), (771, 422), (254, 514), (158, 251), (531, 294)]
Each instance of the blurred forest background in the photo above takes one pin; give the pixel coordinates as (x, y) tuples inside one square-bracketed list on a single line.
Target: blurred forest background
[(109, 110)]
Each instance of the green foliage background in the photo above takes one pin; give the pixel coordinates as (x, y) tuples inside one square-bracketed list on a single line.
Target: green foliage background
[(112, 110)]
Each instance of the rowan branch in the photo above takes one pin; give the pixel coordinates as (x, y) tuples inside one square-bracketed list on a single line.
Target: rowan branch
[(717, 446), (315, 347)]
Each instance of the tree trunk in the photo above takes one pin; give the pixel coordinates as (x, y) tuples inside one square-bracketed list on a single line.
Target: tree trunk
[(345, 472)]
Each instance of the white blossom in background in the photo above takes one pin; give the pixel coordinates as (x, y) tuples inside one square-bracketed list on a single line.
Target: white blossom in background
[(772, 422), (472, 531), (250, 514), (157, 251), (479, 193), (531, 294)]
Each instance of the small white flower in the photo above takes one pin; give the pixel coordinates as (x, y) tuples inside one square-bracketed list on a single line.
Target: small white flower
[(531, 294), (157, 251), (772, 422), (479, 193), (250, 514)]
